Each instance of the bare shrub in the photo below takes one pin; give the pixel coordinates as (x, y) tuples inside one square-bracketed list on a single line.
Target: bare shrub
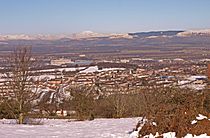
[(19, 95), (83, 105), (173, 110)]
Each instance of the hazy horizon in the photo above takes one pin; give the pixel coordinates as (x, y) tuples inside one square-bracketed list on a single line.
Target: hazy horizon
[(110, 16), (108, 33)]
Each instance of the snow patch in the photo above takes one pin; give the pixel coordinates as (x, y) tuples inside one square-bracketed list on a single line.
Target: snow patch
[(98, 128), (201, 117)]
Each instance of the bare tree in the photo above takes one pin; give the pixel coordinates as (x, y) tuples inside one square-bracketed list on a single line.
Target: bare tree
[(19, 83)]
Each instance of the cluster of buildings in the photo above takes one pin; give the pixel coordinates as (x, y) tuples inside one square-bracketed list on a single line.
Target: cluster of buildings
[(53, 85), (125, 80), (148, 74)]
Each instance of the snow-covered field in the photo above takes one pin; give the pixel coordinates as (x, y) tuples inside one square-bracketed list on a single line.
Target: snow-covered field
[(98, 128)]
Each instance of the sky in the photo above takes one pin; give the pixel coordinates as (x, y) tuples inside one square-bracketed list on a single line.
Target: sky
[(103, 16)]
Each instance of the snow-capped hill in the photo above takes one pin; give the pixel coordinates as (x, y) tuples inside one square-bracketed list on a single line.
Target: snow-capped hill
[(90, 34), (32, 37), (50, 37), (116, 36), (87, 34), (16, 37), (82, 35), (205, 32)]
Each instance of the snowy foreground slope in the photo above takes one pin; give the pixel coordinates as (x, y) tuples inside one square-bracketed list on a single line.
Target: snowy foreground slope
[(98, 128)]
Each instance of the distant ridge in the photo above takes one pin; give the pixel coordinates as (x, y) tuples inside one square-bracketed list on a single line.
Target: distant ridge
[(205, 32), (156, 33), (93, 35)]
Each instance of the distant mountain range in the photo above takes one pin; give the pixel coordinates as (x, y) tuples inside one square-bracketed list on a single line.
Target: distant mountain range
[(93, 35), (205, 32), (82, 35)]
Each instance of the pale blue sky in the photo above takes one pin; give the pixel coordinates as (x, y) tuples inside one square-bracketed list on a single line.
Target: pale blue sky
[(104, 16)]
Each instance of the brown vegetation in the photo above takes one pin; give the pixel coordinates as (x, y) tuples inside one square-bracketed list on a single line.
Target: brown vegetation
[(174, 109)]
